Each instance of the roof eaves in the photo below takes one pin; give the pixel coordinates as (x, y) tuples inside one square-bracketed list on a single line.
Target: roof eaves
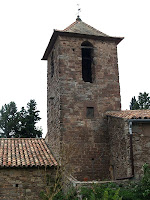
[(51, 43), (139, 120), (29, 166), (118, 117), (117, 40)]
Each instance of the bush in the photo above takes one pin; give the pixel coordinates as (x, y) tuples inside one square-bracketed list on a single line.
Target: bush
[(111, 191), (143, 188), (103, 191)]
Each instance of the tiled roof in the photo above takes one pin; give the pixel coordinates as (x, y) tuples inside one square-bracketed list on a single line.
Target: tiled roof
[(25, 152), (80, 27), (130, 114)]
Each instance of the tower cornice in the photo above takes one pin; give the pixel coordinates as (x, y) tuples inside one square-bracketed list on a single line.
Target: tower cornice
[(57, 33)]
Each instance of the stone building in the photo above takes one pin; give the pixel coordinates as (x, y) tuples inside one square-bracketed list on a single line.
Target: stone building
[(86, 126), (129, 138), (25, 165), (83, 84)]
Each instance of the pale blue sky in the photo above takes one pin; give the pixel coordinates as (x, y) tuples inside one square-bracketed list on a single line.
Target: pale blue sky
[(26, 27)]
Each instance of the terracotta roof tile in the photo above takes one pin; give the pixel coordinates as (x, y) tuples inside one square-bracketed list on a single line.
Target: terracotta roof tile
[(25, 152), (130, 114)]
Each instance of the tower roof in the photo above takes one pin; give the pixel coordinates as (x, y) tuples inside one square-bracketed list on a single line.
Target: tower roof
[(79, 29), (82, 28)]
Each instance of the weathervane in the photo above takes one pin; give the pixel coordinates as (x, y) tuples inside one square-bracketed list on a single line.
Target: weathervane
[(78, 14)]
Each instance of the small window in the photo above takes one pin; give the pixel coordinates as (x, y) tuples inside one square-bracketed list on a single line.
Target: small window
[(87, 50), (90, 112), (52, 64)]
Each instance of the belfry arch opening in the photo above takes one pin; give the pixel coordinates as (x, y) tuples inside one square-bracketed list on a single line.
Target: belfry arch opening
[(87, 58)]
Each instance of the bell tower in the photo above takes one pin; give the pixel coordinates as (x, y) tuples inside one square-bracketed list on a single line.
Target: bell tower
[(82, 84)]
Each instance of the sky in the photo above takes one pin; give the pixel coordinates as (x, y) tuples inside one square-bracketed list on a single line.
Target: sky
[(25, 30)]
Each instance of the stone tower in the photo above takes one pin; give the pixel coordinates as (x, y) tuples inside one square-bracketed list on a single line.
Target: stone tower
[(82, 84)]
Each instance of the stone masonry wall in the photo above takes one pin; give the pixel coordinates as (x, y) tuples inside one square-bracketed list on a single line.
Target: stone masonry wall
[(53, 136), (23, 183), (141, 147), (88, 138), (119, 147), (68, 98)]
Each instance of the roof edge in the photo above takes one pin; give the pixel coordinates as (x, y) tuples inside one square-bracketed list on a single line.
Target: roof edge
[(27, 167), (139, 120), (50, 45), (57, 33)]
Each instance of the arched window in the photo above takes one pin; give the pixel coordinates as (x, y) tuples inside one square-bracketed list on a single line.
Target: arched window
[(87, 51)]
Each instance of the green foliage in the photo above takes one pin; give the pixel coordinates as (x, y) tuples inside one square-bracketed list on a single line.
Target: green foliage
[(28, 120), (111, 194), (143, 188), (8, 120), (128, 193), (142, 103), (97, 190), (144, 100), (105, 196), (71, 195), (134, 104), (116, 195), (140, 190), (103, 191), (111, 191), (92, 196), (19, 124), (59, 195)]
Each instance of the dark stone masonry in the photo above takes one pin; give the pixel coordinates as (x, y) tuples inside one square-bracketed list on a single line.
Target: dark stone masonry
[(24, 183)]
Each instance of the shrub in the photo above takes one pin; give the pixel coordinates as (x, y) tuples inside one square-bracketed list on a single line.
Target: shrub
[(143, 188), (111, 191), (103, 191)]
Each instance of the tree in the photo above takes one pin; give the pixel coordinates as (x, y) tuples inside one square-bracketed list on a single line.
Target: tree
[(22, 132), (29, 120), (142, 103), (144, 100), (134, 104), (8, 119), (19, 124)]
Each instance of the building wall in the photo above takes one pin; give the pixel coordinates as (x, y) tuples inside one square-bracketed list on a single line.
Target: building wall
[(23, 183), (141, 147), (120, 163), (53, 136), (87, 138), (120, 147)]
